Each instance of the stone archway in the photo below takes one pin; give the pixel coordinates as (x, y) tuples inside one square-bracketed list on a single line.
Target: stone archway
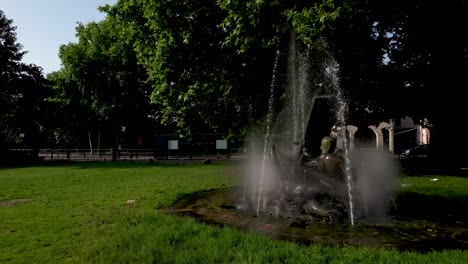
[(380, 137), (364, 138), (379, 134)]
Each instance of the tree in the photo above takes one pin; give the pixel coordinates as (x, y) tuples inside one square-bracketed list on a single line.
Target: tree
[(200, 82), (22, 93), (388, 51), (395, 51), (10, 67), (206, 52), (101, 86)]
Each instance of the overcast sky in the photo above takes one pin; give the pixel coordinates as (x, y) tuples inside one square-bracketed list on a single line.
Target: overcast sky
[(44, 25)]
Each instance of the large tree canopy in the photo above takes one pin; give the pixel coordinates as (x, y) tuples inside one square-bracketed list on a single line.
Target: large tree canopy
[(198, 81), (395, 57), (22, 92), (405, 58), (10, 58), (100, 84)]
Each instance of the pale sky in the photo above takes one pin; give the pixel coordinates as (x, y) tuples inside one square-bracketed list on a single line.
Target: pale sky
[(44, 25)]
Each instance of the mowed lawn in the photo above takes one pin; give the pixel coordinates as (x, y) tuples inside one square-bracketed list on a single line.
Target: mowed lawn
[(78, 213)]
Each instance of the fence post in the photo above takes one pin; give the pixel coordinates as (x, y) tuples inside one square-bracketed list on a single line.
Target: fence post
[(114, 154)]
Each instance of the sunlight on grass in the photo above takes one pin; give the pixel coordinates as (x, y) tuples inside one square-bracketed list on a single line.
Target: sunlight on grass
[(78, 214), (449, 187)]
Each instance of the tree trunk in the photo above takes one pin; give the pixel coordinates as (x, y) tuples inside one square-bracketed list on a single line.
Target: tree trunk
[(99, 143), (90, 141)]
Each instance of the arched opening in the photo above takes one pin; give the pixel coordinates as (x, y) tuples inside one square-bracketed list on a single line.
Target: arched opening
[(364, 138), (386, 139)]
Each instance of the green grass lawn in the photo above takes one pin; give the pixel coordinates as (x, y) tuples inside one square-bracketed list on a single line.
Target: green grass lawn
[(77, 213), (447, 187)]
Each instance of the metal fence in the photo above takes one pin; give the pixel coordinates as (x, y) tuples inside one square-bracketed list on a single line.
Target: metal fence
[(133, 154), (88, 154)]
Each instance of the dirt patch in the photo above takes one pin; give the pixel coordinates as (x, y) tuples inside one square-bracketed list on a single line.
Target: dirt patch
[(14, 202)]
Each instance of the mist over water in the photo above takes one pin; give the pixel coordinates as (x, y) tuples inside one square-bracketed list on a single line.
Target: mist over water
[(261, 176), (377, 175)]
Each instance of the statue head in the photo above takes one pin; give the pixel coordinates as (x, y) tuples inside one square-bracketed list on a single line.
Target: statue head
[(328, 145)]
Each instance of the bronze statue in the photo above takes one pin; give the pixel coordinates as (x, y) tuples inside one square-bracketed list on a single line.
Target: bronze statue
[(328, 161)]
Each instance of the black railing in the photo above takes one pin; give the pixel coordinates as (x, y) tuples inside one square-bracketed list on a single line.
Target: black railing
[(135, 154)]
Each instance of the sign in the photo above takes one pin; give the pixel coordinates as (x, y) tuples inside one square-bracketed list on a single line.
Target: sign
[(172, 144), (221, 144)]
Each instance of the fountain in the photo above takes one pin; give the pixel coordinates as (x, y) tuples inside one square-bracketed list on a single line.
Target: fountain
[(293, 183), (289, 182), (302, 181)]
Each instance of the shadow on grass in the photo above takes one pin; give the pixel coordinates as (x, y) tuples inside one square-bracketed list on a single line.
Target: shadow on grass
[(422, 166), (434, 208)]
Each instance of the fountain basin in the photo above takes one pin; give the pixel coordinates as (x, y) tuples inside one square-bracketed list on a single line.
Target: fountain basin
[(399, 230)]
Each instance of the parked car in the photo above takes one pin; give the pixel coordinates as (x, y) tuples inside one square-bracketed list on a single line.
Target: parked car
[(420, 151)]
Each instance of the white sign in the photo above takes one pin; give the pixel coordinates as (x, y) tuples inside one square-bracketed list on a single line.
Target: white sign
[(221, 144), (172, 144)]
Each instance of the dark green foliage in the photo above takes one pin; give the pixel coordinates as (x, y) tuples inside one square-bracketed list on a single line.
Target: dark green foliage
[(101, 87), (201, 83), (207, 65), (22, 93), (213, 60)]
